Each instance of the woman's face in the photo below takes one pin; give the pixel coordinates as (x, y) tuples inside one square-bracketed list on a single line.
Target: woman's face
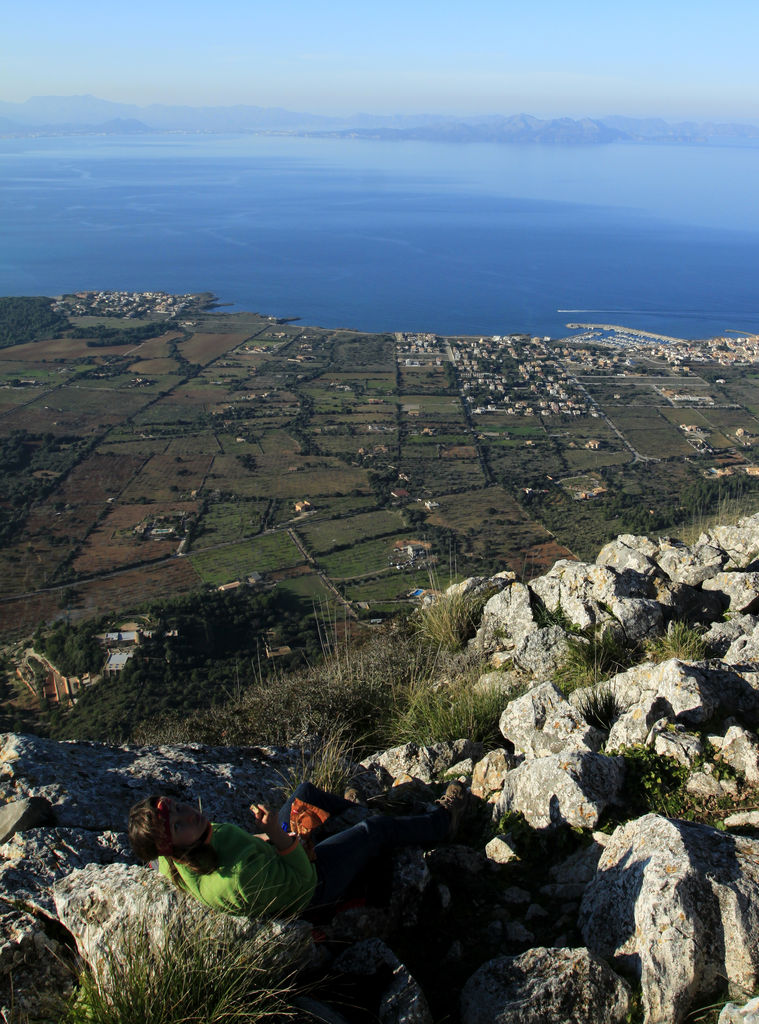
[(187, 824)]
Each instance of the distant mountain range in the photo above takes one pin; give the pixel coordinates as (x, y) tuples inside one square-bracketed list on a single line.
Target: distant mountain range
[(76, 115)]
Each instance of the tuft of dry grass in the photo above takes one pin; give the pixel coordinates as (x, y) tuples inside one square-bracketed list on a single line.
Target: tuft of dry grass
[(448, 621), (208, 976), (681, 641)]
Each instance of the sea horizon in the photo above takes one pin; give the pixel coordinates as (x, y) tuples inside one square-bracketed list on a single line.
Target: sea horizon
[(483, 239)]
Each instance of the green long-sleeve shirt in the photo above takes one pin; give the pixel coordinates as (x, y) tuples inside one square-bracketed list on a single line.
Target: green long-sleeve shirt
[(252, 878)]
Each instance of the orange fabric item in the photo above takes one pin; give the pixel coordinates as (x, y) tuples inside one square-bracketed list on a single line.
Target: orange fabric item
[(304, 820)]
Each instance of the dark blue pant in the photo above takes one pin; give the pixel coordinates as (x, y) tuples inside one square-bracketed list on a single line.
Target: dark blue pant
[(343, 856)]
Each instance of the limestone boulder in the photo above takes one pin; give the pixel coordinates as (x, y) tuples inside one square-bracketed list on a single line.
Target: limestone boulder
[(589, 594), (573, 789), (116, 910), (427, 764), (571, 986), (630, 552), (690, 565), (580, 867), (400, 999), (543, 722), (704, 786), (21, 815), (506, 618), (684, 747), (741, 589), (740, 541), (721, 635), (747, 1013), (477, 586), (490, 772), (93, 785), (740, 750), (501, 850), (681, 692), (743, 656), (676, 904), (33, 861), (541, 652)]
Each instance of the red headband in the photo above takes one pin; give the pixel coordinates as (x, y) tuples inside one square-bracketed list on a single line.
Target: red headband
[(164, 845)]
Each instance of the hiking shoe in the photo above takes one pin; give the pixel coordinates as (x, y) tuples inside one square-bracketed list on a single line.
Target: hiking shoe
[(454, 800), (355, 795)]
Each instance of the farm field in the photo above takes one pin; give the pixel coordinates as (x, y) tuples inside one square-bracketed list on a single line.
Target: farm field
[(230, 562), (327, 534), (226, 521), (229, 420), (163, 476), (392, 588), (364, 558), (649, 432)]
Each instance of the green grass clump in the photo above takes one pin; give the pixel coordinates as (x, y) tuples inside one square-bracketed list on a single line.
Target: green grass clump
[(207, 976), (328, 762), (600, 707), (592, 658), (449, 621), (681, 641), (428, 712)]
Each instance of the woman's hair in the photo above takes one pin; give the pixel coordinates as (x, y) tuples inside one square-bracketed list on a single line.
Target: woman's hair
[(146, 833)]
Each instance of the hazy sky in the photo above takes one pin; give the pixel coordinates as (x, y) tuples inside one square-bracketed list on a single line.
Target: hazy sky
[(546, 57)]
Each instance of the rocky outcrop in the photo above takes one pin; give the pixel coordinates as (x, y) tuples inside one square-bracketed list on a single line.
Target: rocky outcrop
[(507, 618), (689, 693), (677, 904), (543, 722), (672, 903), (568, 985), (562, 789)]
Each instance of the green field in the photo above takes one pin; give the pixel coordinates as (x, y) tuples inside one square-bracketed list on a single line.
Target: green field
[(227, 521), (324, 536), (371, 556), (235, 561)]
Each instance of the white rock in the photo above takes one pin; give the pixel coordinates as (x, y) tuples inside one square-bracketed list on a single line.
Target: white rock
[(501, 850), (543, 722), (560, 986), (677, 904), (573, 788)]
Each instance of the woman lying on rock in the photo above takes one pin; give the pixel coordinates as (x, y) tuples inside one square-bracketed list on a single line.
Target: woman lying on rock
[(276, 871)]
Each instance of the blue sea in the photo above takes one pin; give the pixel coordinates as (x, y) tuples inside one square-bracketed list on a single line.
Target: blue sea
[(393, 235)]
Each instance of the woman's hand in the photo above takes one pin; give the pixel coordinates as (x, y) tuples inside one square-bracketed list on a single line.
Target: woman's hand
[(269, 823)]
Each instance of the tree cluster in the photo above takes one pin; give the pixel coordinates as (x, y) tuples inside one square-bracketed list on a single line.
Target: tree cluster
[(28, 318)]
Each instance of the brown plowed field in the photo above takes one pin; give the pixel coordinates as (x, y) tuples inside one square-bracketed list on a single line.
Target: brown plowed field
[(204, 348), (114, 544), (106, 596), (98, 478)]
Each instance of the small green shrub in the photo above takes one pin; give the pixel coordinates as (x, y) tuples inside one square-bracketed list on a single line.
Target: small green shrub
[(592, 658), (208, 976), (681, 641), (653, 783)]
